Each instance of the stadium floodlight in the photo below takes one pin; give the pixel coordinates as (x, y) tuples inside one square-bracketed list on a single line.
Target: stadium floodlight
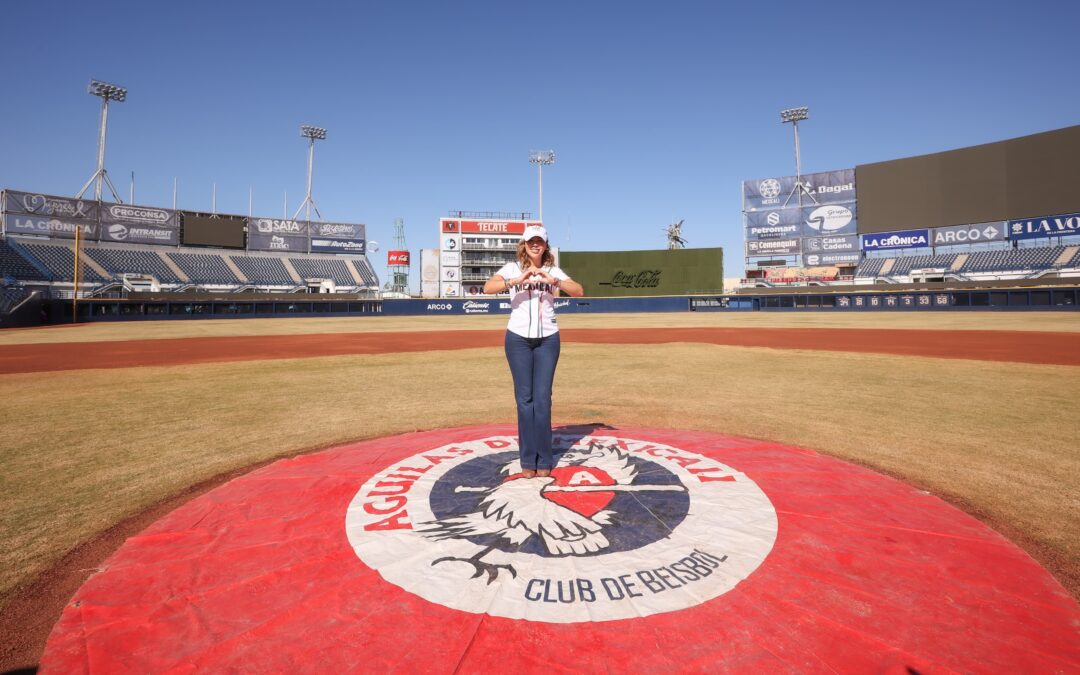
[(312, 134), (541, 158), (107, 92), (794, 116)]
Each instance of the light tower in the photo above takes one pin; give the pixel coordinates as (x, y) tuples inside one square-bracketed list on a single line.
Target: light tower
[(107, 92), (312, 134), (397, 261), (794, 116), (541, 158)]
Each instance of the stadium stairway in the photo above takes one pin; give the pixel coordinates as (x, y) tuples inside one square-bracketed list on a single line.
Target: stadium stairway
[(887, 266), (1066, 256), (175, 268), (354, 273), (292, 271), (235, 270), (92, 264), (959, 262)]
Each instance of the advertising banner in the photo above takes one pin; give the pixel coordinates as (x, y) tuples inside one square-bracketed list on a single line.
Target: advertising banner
[(451, 242), (352, 231), (816, 259), (46, 226), (139, 224), (429, 266), (448, 226), (968, 234), (257, 241), (829, 219), (350, 246), (450, 259), (274, 226), (451, 274), (494, 226), (429, 289), (847, 242), (50, 206), (827, 187), (1046, 226), (472, 290), (830, 187), (881, 241), (451, 290), (774, 224), (397, 257), (773, 247)]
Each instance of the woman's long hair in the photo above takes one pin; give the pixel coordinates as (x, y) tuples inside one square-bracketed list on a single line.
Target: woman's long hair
[(546, 260)]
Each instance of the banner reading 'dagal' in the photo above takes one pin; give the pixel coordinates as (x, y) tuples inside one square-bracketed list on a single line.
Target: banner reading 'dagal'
[(50, 206), (827, 187), (139, 224)]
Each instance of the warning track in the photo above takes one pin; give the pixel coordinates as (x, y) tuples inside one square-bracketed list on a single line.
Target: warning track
[(1056, 348)]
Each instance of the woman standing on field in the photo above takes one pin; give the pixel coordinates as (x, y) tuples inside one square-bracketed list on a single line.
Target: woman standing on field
[(532, 341)]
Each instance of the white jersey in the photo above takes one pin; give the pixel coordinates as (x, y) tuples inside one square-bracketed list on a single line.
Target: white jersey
[(532, 304)]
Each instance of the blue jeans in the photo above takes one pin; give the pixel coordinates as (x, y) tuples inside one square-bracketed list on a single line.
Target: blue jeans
[(532, 364)]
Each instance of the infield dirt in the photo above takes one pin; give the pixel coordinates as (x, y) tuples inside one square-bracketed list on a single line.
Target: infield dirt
[(86, 450)]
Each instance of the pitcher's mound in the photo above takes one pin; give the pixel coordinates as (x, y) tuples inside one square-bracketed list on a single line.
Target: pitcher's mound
[(645, 550)]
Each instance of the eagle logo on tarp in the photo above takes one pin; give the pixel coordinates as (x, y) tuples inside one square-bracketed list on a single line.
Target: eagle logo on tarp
[(621, 529)]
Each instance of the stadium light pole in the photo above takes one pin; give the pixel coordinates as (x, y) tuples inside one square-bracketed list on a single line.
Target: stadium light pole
[(107, 92), (794, 116), (312, 134), (541, 158)]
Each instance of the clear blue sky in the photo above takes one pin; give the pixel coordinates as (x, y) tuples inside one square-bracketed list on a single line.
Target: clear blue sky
[(656, 111)]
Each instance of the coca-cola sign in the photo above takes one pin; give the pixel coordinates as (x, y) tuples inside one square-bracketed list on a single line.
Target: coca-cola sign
[(397, 257), (640, 279)]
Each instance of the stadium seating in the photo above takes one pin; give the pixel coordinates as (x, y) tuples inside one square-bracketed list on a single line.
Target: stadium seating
[(870, 267), (59, 259), (263, 270), (323, 268), (10, 296), (1011, 260), (133, 261), (905, 264), (204, 268), (363, 267), (14, 266)]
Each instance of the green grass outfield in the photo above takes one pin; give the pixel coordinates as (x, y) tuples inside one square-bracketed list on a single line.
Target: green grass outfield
[(85, 450)]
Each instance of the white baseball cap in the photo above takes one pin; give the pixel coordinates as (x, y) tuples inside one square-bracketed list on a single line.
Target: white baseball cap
[(534, 231)]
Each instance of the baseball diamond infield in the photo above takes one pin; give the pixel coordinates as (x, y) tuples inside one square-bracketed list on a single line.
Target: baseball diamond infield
[(732, 553)]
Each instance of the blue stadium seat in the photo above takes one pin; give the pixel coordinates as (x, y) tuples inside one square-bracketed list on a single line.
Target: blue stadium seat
[(14, 266), (133, 261), (263, 270), (323, 268), (204, 268), (60, 261)]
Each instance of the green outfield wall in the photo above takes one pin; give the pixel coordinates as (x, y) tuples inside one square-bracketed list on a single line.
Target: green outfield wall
[(684, 271)]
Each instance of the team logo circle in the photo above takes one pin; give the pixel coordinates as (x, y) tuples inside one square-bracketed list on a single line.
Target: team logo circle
[(622, 529), (770, 188)]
